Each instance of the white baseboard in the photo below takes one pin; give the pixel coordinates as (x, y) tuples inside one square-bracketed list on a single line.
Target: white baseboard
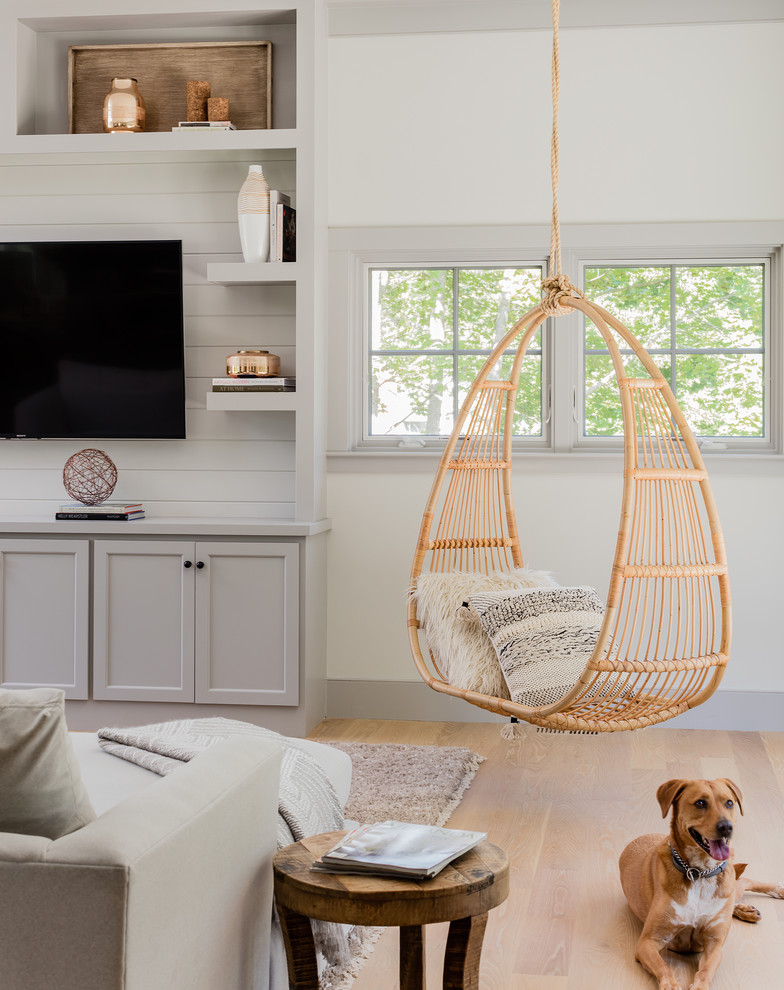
[(403, 700)]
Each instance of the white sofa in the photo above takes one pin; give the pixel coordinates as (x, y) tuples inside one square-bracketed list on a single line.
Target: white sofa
[(170, 888)]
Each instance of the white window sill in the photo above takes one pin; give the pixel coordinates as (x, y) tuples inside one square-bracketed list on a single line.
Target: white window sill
[(549, 462)]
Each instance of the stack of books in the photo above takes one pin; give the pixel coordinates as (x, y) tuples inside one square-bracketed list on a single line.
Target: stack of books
[(254, 384), (277, 198), (117, 511), (285, 243), (397, 849), (214, 125)]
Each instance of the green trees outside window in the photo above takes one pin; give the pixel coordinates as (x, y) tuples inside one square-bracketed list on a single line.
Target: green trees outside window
[(704, 327), (431, 329)]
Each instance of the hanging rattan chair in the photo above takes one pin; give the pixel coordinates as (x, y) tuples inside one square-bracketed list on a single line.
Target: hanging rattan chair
[(665, 636)]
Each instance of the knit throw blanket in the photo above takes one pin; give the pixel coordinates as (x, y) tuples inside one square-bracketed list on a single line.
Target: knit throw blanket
[(307, 803)]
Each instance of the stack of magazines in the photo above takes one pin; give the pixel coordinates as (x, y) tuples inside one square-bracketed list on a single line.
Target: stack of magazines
[(397, 849)]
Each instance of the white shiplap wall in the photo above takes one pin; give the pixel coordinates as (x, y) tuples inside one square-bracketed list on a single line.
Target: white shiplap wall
[(232, 464)]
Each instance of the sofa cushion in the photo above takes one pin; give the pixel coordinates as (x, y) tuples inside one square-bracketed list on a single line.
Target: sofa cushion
[(40, 783), (108, 781)]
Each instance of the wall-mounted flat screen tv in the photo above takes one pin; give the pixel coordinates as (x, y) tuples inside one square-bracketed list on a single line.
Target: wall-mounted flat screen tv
[(91, 340)]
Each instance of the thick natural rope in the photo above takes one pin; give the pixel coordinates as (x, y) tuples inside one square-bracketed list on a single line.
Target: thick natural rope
[(555, 225), (557, 287), (557, 291)]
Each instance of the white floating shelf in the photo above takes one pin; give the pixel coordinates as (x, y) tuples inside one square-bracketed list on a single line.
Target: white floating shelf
[(257, 273), (252, 401), (170, 141)]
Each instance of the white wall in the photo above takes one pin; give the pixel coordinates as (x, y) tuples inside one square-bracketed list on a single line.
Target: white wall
[(657, 124), (568, 522)]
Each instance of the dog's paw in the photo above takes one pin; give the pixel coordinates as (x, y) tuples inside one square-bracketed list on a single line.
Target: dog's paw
[(746, 912), (668, 983), (778, 890)]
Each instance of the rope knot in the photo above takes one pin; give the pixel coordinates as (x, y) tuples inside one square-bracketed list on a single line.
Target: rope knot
[(557, 289)]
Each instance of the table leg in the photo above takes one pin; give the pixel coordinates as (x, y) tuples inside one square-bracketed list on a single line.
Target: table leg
[(300, 949), (463, 948), (412, 957)]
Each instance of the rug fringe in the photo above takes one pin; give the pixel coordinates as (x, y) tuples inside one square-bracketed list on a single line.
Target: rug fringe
[(361, 942), (471, 767)]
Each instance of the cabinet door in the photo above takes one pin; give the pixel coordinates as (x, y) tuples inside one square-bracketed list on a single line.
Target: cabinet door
[(143, 620), (247, 621), (44, 614)]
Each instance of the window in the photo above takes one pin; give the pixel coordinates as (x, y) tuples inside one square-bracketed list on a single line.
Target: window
[(703, 325), (424, 307), (430, 332)]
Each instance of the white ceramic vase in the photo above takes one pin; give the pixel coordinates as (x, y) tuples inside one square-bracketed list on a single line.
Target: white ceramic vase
[(253, 216)]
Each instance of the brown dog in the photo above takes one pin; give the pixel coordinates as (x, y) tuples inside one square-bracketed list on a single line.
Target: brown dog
[(685, 887)]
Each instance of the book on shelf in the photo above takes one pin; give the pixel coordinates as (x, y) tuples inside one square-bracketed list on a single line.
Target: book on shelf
[(254, 384), (286, 233), (276, 199), (101, 507), (214, 125), (101, 516), (397, 849), (255, 389)]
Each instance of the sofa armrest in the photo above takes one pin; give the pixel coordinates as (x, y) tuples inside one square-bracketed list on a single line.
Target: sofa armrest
[(170, 889)]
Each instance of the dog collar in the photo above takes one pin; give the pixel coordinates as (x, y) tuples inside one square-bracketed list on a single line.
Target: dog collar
[(690, 872)]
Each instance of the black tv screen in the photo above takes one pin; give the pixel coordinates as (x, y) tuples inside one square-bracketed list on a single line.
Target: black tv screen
[(91, 340)]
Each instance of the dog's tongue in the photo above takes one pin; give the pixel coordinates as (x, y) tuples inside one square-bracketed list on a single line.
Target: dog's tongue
[(719, 848)]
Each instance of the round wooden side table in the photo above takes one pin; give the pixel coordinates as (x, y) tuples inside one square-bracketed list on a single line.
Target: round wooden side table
[(462, 893)]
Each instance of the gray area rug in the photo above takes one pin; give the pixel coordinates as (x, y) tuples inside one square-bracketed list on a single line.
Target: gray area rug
[(421, 784)]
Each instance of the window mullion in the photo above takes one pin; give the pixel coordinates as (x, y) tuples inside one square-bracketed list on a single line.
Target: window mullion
[(673, 330), (566, 367), (455, 344)]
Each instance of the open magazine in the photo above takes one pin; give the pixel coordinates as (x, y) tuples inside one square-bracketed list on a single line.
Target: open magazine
[(397, 849)]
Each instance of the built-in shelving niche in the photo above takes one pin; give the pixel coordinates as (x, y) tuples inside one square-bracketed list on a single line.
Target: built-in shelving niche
[(40, 79)]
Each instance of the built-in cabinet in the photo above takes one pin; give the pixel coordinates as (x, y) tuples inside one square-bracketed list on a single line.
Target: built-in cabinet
[(135, 623), (196, 621), (45, 614), (171, 620)]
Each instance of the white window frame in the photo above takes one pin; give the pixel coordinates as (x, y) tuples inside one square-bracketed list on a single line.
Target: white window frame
[(377, 441), (354, 251), (765, 444)]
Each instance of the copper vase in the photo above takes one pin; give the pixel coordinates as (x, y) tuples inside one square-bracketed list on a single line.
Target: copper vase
[(123, 108)]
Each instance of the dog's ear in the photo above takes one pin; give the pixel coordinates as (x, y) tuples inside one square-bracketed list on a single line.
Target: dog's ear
[(735, 790), (667, 793)]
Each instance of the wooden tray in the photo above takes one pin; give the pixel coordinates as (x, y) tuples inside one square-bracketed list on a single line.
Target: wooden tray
[(238, 70)]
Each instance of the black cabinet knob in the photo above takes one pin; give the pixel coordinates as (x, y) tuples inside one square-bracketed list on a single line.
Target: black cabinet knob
[(188, 563), (200, 564)]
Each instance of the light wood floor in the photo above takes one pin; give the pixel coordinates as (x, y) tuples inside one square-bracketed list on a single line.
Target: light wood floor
[(564, 806)]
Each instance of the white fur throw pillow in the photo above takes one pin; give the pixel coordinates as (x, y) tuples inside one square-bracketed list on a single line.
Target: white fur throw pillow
[(464, 654), (543, 638)]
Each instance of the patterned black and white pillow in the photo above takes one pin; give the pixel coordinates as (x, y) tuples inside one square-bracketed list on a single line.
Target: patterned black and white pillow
[(543, 638)]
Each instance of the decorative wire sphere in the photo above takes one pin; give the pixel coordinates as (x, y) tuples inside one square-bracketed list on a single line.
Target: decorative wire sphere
[(89, 476)]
